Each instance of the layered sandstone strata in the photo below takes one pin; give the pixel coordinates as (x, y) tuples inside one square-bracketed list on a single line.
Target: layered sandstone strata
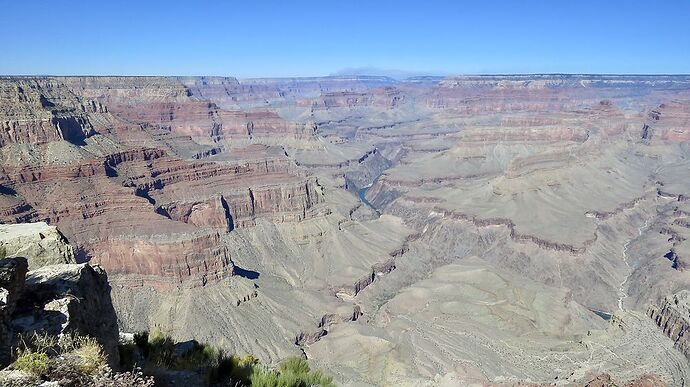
[(670, 121), (127, 186), (169, 104), (673, 317), (37, 111), (385, 97)]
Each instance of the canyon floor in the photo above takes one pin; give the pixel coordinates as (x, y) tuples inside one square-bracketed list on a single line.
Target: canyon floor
[(474, 230)]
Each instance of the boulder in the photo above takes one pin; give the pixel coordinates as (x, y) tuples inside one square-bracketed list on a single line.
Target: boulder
[(39, 243), (16, 378), (69, 298), (183, 348)]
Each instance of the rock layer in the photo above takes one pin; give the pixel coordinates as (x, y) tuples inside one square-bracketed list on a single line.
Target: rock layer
[(673, 317)]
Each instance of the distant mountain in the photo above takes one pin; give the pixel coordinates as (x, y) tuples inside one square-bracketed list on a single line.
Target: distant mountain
[(392, 73)]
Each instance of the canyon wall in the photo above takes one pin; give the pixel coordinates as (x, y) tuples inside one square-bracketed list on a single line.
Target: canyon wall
[(141, 209), (672, 316)]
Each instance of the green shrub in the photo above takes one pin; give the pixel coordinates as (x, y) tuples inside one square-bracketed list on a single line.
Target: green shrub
[(235, 368), (65, 372), (39, 343), (295, 365), (161, 349), (218, 366), (141, 340), (35, 363), (89, 356), (200, 356), (293, 372), (131, 353), (220, 369), (262, 377)]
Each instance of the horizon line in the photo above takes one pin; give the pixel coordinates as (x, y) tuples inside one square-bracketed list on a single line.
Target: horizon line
[(335, 76)]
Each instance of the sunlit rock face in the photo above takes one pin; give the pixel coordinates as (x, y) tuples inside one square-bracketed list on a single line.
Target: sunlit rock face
[(673, 317), (43, 292)]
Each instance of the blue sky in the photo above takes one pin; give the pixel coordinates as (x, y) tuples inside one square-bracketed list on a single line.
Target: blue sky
[(254, 38)]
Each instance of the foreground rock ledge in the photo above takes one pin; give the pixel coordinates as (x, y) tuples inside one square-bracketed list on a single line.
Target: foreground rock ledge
[(55, 299), (39, 243)]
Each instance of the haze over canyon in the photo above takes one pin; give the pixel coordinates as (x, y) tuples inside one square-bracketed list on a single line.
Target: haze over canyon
[(470, 230)]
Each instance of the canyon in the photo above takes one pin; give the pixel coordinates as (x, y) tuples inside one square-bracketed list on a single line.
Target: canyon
[(470, 230)]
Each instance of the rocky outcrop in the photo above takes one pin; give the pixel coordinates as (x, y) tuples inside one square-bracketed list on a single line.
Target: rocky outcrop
[(70, 298), (305, 339), (515, 235), (383, 97), (16, 210), (538, 93), (336, 318), (368, 168), (12, 277), (382, 193), (563, 81), (646, 380), (602, 215), (39, 243), (673, 317), (677, 262), (212, 212), (378, 270), (228, 92), (54, 297), (167, 261), (327, 320), (669, 121), (273, 188), (40, 110), (179, 208), (521, 166), (212, 88)]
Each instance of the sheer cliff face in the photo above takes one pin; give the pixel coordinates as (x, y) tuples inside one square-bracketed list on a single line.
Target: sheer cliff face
[(183, 106), (673, 318), (38, 111), (463, 229), (69, 160)]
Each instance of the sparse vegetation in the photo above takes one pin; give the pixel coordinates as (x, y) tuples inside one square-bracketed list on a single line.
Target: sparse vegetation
[(88, 356), (219, 369), (34, 363), (160, 349), (72, 360), (134, 378), (293, 372)]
